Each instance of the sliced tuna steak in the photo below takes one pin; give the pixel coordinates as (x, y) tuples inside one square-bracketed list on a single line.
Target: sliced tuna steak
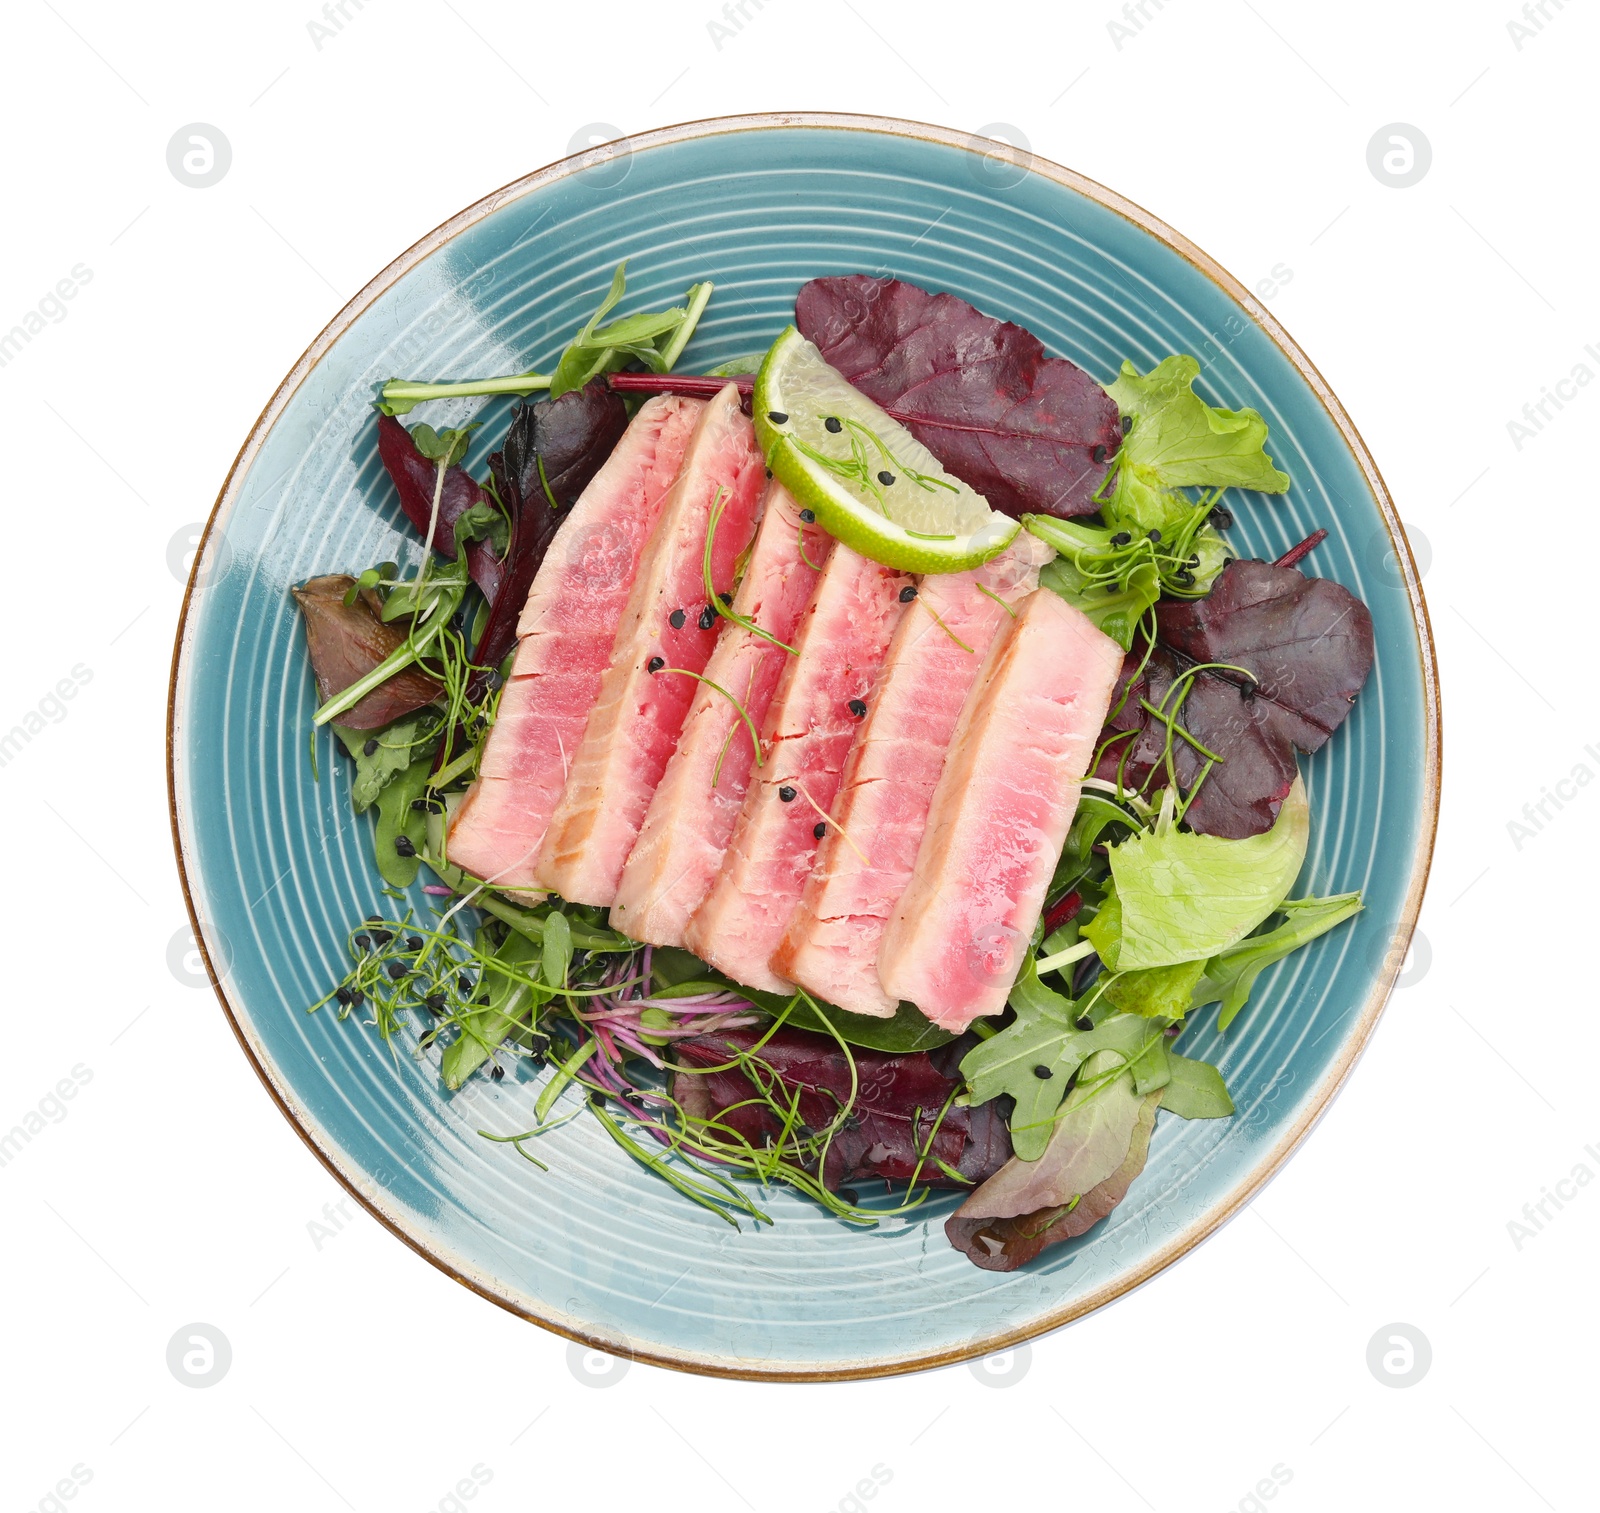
[(565, 635), (666, 632), (822, 697), (691, 818), (831, 946), (1000, 814)]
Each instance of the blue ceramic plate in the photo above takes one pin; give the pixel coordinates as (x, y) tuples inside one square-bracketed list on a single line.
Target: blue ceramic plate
[(276, 867)]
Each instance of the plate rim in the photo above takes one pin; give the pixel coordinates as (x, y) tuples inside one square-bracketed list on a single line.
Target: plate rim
[(1356, 1039)]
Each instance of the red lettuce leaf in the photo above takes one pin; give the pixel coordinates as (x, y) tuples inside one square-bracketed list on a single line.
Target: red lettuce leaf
[(1006, 1244), (898, 1100), (1307, 643), (415, 478), (347, 641), (1030, 433), (571, 436)]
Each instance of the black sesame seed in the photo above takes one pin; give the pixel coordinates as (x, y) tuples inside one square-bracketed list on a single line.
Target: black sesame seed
[(498, 1073), (464, 983), (1127, 424), (726, 597), (363, 942), (1097, 454), (850, 1195), (1122, 538), (343, 995), (397, 970), (777, 417), (1247, 689), (834, 424), (809, 516), (1112, 588), (908, 593), (435, 1003), (655, 664), (413, 942), (819, 830), (420, 806), (885, 477), (768, 472), (786, 794), (1184, 577), (1154, 535), (708, 618), (1192, 562), (858, 707), (369, 747), (357, 998), (403, 846), (1084, 1023), (382, 937), (1221, 518), (676, 619), (1042, 1073), (374, 919)]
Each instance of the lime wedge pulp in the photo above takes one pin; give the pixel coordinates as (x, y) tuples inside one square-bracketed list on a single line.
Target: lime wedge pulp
[(868, 480)]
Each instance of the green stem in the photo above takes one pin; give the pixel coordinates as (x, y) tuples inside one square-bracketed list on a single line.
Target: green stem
[(1065, 958), (406, 391), (699, 298)]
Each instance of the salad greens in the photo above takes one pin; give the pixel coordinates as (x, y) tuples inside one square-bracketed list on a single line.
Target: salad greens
[(1191, 830), (656, 339)]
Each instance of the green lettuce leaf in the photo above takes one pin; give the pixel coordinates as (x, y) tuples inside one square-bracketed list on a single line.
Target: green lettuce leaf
[(511, 1004), (1179, 441), (1180, 896)]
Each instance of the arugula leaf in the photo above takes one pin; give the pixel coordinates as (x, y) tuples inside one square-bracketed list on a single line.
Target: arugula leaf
[(397, 819), (1178, 440), (1230, 975), (1179, 896), (511, 1003), (398, 746), (655, 338), (1090, 1140), (1044, 1038), (1196, 1089)]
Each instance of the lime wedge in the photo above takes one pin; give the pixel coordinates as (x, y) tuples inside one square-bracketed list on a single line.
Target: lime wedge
[(868, 480)]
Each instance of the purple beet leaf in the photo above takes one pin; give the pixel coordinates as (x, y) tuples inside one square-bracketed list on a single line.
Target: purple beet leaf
[(1030, 433), (1305, 645)]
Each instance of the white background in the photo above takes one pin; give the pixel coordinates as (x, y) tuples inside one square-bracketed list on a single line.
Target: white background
[(173, 1192)]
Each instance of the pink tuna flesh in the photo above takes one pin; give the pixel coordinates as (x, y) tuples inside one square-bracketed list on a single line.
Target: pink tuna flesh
[(691, 818), (1000, 814), (566, 632), (810, 724), (831, 946), (634, 724)]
